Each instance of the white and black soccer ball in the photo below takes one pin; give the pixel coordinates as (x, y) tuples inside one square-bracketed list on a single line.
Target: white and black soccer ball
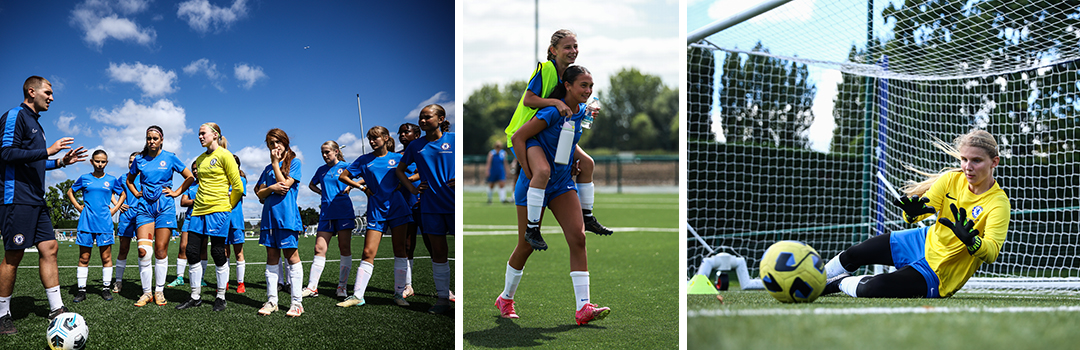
[(67, 331), (793, 272)]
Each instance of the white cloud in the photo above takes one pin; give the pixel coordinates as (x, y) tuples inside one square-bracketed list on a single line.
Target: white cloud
[(204, 17), (127, 123), (254, 159), (208, 68), (100, 21), (441, 98), (57, 83), (351, 146), (248, 75), (153, 80), (67, 126)]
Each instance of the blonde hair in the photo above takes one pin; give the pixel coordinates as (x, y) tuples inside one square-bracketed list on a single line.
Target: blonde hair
[(217, 129), (334, 145), (558, 35), (975, 138), (379, 131)]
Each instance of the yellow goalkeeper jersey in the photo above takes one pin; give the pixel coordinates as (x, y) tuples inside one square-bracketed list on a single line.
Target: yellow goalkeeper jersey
[(217, 172), (945, 253)]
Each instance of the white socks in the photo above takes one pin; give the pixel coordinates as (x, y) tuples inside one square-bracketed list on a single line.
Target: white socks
[(106, 275), (408, 273), (535, 200), (55, 302), (502, 194), (222, 280), (833, 268), (161, 267), (196, 280), (343, 270), (181, 265), (146, 274), (401, 267), (5, 305), (585, 194), (441, 272), (271, 283), (513, 278), (316, 271), (581, 287), (851, 284), (363, 276), (241, 267), (80, 275), (120, 266), (296, 275)]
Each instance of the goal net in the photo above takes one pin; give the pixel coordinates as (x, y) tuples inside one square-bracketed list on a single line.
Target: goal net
[(801, 122)]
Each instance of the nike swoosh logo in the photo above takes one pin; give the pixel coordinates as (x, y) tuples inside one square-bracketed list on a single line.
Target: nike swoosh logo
[(947, 195)]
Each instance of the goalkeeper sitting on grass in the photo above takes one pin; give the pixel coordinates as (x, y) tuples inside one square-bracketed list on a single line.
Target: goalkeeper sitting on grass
[(936, 261)]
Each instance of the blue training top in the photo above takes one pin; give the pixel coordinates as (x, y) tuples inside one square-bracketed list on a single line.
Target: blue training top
[(281, 212), (412, 200), (335, 203), (435, 163), (97, 199), (23, 157), (157, 173), (191, 191), (386, 202), (549, 140)]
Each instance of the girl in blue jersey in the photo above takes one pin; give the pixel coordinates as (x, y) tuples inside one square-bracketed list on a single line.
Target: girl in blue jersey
[(187, 201), (236, 232), (95, 221), (125, 229), (496, 170), (386, 211), (156, 214), (280, 226), (559, 194), (408, 132), (336, 217), (434, 158)]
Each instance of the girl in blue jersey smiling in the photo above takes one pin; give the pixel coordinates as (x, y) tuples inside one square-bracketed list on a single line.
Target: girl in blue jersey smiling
[(156, 214), (336, 217), (560, 194), (434, 158), (95, 221), (386, 211), (280, 226)]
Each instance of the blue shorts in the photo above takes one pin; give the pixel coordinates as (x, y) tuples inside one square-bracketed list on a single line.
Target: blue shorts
[(87, 239), (496, 176), (335, 225), (909, 249), (161, 213), (213, 224), (24, 226), (126, 226), (384, 226), (279, 238), (521, 190), (437, 224), (236, 236), (186, 227)]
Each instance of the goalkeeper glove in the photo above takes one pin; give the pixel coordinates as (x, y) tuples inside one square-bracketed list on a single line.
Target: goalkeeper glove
[(913, 206), (963, 228)]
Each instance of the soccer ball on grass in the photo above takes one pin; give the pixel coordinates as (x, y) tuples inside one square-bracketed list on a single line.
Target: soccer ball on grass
[(67, 331), (792, 272)]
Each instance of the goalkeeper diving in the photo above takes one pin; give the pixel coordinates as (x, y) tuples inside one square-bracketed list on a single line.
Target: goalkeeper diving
[(934, 261)]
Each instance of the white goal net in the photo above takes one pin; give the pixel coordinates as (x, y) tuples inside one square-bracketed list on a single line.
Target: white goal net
[(802, 119)]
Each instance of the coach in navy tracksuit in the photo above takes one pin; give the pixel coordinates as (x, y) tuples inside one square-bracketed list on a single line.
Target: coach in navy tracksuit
[(24, 217)]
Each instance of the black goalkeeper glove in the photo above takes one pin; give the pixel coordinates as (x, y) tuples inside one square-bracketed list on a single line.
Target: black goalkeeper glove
[(963, 228), (914, 206)]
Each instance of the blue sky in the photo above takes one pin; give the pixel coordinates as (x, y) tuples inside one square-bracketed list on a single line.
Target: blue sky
[(118, 66)]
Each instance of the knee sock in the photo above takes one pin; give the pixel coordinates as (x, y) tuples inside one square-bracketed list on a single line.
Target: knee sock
[(408, 273), (107, 276), (833, 268), (203, 264), (535, 200), (80, 275), (851, 284), (146, 275), (120, 266), (53, 294), (272, 283), (161, 267), (222, 280), (490, 192), (296, 275), (363, 275), (196, 276), (5, 305), (285, 272), (241, 267), (585, 195), (316, 271), (441, 274), (510, 285), (581, 287), (401, 266), (181, 265), (502, 194), (343, 270)]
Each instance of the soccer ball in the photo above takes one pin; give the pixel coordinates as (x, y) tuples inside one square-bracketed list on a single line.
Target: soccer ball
[(793, 272), (67, 331)]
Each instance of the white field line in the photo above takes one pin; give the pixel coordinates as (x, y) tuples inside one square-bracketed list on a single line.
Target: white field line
[(876, 311), (232, 262), (489, 230)]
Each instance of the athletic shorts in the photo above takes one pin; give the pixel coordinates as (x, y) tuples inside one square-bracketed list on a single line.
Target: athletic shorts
[(417, 219), (384, 226), (213, 224), (279, 238), (496, 176), (161, 213), (437, 224), (24, 226), (186, 227), (236, 236), (909, 249), (335, 225), (521, 190), (87, 239), (126, 226)]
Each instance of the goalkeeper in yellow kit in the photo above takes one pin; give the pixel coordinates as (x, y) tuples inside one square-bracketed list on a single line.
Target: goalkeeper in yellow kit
[(935, 261)]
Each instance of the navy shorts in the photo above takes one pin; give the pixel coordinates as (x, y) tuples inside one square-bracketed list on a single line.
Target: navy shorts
[(24, 226), (335, 225), (437, 224), (909, 249), (385, 226)]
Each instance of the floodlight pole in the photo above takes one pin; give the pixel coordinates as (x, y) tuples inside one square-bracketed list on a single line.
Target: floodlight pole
[(722, 24)]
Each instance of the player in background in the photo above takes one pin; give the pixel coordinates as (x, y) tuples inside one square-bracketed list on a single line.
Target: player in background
[(187, 201), (434, 158), (220, 189), (937, 260), (95, 221), (562, 53), (156, 214), (125, 229), (280, 226), (408, 132), (336, 217), (386, 211), (236, 237), (559, 195), (496, 169)]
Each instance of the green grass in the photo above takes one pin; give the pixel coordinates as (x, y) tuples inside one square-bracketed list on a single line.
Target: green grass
[(964, 321), (633, 272), (118, 324)]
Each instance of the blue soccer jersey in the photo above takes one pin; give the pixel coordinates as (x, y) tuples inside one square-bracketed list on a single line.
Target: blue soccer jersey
[(549, 140), (237, 217), (335, 203), (386, 202), (281, 212), (131, 200), (191, 191), (435, 163), (97, 199), (157, 173), (412, 200)]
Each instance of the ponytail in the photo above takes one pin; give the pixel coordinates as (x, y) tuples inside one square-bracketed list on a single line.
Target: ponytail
[(976, 138)]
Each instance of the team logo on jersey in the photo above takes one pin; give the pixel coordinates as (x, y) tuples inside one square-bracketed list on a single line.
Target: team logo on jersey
[(340, 170), (213, 162), (162, 164), (976, 211), (106, 184), (391, 162), (19, 239), (445, 146)]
